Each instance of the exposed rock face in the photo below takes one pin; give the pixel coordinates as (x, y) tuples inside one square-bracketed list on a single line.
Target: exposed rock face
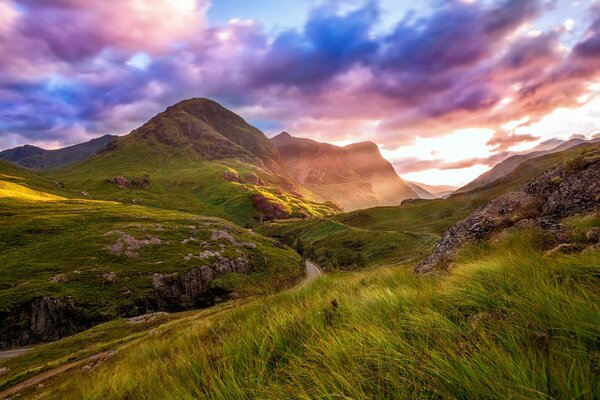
[(180, 291), (128, 245), (562, 191), (130, 183), (43, 319), (269, 210), (354, 176)]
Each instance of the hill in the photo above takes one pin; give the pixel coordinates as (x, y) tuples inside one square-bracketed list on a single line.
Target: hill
[(411, 229), (71, 263), (507, 321), (199, 157), (355, 176), (510, 164), (430, 191), (36, 158)]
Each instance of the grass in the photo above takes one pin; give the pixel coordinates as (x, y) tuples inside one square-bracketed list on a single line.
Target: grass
[(59, 247), (506, 322), (185, 182), (334, 245), (399, 234)]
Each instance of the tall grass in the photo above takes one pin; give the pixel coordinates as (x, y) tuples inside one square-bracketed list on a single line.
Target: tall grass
[(506, 323)]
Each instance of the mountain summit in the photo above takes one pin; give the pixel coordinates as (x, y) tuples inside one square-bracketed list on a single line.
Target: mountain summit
[(211, 130), (355, 176)]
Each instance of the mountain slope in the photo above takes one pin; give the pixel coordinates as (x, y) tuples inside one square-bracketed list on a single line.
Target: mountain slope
[(566, 190), (33, 157), (355, 176), (71, 263), (510, 164), (196, 156)]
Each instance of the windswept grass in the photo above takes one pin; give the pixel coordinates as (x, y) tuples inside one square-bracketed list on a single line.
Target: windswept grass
[(507, 323)]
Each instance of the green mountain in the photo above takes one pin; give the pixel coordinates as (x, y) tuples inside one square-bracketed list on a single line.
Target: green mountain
[(35, 158), (355, 176), (199, 157)]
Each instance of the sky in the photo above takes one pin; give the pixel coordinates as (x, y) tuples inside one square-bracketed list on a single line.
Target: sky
[(446, 88)]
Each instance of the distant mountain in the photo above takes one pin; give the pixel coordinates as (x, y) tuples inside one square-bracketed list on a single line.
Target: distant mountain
[(197, 156), (36, 158), (425, 191), (355, 176), (510, 164)]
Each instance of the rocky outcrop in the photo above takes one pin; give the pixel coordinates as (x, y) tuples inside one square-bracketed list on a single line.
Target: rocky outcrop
[(176, 291), (43, 319), (269, 210), (130, 183), (128, 245), (565, 190)]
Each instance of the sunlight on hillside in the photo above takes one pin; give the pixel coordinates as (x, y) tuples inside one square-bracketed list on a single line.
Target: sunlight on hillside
[(13, 190)]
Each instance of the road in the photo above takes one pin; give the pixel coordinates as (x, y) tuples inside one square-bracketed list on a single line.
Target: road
[(312, 272), (13, 353)]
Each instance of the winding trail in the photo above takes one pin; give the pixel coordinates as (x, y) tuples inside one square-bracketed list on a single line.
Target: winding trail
[(312, 272)]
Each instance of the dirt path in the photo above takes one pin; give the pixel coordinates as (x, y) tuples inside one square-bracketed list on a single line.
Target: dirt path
[(312, 272), (13, 353), (53, 372)]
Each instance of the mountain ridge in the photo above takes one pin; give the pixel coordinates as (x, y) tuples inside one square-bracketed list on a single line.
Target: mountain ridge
[(37, 158), (354, 176)]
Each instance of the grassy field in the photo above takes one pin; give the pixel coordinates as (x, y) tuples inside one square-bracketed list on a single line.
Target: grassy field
[(505, 322), (335, 245), (101, 256)]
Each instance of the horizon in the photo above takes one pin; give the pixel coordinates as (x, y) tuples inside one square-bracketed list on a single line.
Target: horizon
[(446, 89)]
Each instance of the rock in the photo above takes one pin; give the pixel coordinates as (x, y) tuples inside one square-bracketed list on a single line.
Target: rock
[(270, 209), (4, 370), (593, 235), (253, 179), (109, 277), (542, 202), (564, 248), (231, 176), (128, 245), (59, 278), (176, 291), (130, 183)]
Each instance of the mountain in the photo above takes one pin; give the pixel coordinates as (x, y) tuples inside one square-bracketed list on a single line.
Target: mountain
[(200, 157), (355, 176), (429, 192), (507, 166), (566, 190), (36, 158)]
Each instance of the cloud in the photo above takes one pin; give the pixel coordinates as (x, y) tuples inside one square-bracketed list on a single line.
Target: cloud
[(503, 141), (73, 69)]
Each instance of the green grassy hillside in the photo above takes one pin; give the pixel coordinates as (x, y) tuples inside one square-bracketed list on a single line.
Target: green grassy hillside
[(506, 322), (70, 263), (198, 157)]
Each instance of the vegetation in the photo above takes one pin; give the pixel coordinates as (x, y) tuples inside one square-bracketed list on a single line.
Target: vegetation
[(506, 322), (102, 255), (334, 245)]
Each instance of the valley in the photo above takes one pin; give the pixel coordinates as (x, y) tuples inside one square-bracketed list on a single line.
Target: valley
[(192, 259)]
